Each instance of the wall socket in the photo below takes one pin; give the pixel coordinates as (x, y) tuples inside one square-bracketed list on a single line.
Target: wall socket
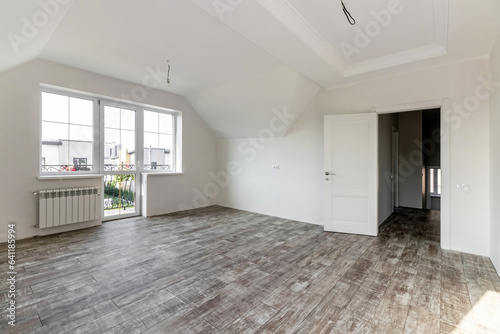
[(463, 187), (276, 166)]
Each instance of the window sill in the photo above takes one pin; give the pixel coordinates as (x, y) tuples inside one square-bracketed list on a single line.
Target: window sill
[(69, 177), (162, 173)]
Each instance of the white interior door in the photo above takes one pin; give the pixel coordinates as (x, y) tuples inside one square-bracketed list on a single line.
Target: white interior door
[(351, 173)]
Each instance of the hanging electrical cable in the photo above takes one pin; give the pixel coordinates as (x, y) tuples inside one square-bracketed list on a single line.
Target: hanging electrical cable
[(350, 19), (168, 73)]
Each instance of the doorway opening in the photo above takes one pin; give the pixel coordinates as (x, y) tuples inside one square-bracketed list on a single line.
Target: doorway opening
[(410, 166)]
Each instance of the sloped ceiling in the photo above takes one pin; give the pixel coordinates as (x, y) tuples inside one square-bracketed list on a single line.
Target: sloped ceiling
[(236, 61), (26, 27), (254, 105)]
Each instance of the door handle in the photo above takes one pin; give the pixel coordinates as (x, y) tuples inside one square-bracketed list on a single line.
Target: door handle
[(328, 173)]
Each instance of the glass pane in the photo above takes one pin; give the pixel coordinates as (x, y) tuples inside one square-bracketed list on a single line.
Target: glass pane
[(119, 139), (54, 107), (119, 194), (55, 156), (150, 121), (127, 148), (128, 119), (166, 142), (151, 158), (165, 152), (111, 148), (81, 133), (151, 140), (111, 117), (54, 131), (166, 123), (111, 136), (80, 154), (81, 111)]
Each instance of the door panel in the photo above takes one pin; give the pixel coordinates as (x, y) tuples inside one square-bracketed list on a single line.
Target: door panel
[(118, 153), (351, 174)]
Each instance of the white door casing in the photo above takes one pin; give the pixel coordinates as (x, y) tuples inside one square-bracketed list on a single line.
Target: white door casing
[(351, 173), (444, 104), (395, 169)]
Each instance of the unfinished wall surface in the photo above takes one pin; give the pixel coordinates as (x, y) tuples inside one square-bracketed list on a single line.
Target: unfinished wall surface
[(19, 153), (295, 190)]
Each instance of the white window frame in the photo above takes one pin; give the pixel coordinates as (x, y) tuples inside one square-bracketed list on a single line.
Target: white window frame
[(95, 125), (175, 147), (99, 135)]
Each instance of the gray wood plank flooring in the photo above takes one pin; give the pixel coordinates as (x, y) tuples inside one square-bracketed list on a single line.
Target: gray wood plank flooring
[(219, 270)]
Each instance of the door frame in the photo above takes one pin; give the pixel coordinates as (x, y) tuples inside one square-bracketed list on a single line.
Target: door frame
[(137, 172), (395, 168), (444, 105)]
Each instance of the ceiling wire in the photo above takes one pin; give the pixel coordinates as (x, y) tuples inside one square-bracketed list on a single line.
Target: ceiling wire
[(350, 19), (168, 73)]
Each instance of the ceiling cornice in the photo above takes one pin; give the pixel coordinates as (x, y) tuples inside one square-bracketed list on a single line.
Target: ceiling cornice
[(406, 57), (285, 13)]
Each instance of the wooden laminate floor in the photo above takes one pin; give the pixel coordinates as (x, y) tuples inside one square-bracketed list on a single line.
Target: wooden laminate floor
[(219, 270)]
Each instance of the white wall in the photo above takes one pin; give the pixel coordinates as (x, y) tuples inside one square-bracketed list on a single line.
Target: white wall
[(19, 153), (410, 159), (385, 164), (495, 160), (295, 191)]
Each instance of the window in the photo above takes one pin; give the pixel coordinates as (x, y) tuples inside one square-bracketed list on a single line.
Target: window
[(82, 134), (67, 129), (159, 141), (435, 181)]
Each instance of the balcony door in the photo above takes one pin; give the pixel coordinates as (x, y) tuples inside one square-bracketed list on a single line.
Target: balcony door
[(119, 160)]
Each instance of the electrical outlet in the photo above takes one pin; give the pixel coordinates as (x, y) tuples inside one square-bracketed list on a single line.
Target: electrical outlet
[(463, 187)]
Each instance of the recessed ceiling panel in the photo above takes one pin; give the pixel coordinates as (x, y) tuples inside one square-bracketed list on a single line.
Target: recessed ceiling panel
[(383, 27)]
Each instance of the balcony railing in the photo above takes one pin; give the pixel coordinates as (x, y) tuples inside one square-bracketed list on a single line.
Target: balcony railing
[(64, 168), (107, 168), (119, 192), (156, 167), (115, 167)]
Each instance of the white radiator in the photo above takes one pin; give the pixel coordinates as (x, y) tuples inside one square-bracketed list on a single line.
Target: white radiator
[(67, 206)]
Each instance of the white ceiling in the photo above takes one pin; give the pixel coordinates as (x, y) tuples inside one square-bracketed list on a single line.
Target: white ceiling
[(125, 40), (389, 30), (216, 46)]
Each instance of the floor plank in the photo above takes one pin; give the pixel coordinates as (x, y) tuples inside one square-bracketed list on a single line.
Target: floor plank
[(219, 270)]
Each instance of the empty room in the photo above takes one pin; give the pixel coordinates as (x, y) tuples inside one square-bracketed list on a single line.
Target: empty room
[(230, 166)]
